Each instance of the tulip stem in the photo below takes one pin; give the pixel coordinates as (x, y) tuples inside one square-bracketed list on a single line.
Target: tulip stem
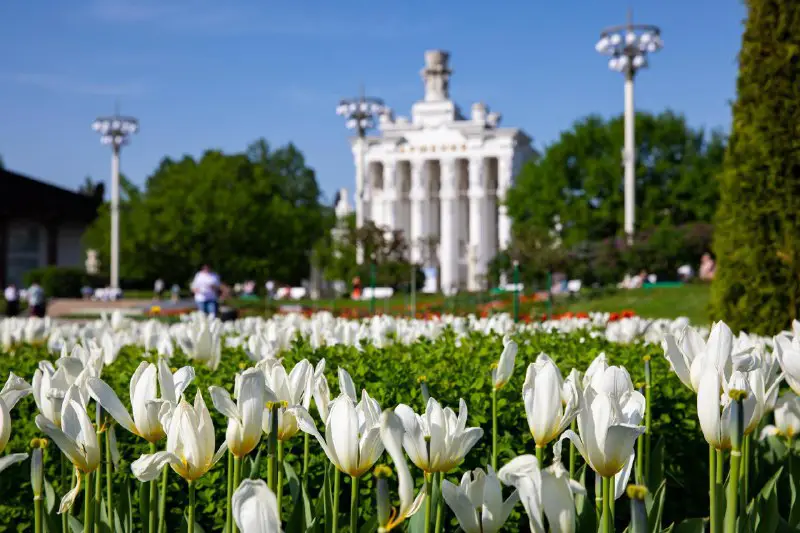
[(540, 455), (648, 415), (608, 525), (713, 519), (573, 454), (428, 500), (272, 449), (720, 473), (64, 490), (440, 506), (279, 482), (87, 504), (737, 442), (598, 498), (152, 507), (228, 510), (237, 476), (162, 503), (337, 478), (109, 478), (494, 428), (98, 487), (306, 447), (190, 521), (640, 461), (354, 503), (746, 469)]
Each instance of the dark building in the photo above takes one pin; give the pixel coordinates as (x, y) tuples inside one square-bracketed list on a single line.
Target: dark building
[(41, 224)]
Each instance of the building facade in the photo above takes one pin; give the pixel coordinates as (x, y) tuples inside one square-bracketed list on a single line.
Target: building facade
[(40, 225), (441, 178)]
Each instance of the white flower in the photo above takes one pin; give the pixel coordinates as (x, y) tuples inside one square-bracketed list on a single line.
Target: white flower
[(14, 389), (438, 440), (549, 492), (714, 406), (352, 433), (505, 366), (478, 502), (255, 508), (551, 404), (787, 417), (244, 416), (49, 388), (289, 391), (190, 444), (392, 432), (147, 407)]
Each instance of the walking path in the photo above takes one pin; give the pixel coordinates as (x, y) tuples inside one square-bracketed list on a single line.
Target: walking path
[(59, 307)]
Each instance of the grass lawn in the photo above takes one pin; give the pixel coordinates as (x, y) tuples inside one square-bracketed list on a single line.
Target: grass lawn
[(669, 302)]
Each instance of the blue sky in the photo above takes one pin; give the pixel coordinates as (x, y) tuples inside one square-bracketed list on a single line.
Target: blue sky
[(205, 74)]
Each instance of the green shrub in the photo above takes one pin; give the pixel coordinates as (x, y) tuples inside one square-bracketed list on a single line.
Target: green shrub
[(757, 242), (61, 282)]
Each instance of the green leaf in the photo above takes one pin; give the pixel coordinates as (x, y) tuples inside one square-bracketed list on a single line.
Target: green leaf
[(794, 490), (75, 525), (371, 526), (690, 525), (655, 507), (584, 506), (656, 474)]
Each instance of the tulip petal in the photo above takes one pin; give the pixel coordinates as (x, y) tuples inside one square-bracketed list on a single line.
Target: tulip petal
[(11, 459), (69, 498), (618, 448), (306, 424), (708, 407), (462, 507), (147, 467), (108, 399), (370, 448), (391, 432), (558, 503), (255, 508), (346, 385), (344, 437), (621, 479), (222, 402), (64, 442), (182, 378), (676, 359)]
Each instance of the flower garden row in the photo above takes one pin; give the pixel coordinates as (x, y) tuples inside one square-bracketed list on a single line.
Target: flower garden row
[(254, 434)]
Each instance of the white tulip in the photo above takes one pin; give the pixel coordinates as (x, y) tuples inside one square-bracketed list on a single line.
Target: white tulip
[(346, 385), (245, 416), (13, 391), (714, 406), (49, 388), (505, 365), (76, 438), (787, 417), (551, 404), (787, 351), (438, 440), (190, 444), (147, 407), (255, 508), (478, 501), (352, 439), (289, 391), (544, 493), (608, 425), (392, 432), (203, 342)]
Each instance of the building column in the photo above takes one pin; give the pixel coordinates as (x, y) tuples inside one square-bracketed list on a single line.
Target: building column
[(504, 169), (419, 209), (478, 211), (361, 206), (390, 195), (449, 224)]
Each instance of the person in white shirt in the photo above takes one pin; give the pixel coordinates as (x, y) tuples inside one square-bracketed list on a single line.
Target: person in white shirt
[(12, 300), (36, 301), (205, 287)]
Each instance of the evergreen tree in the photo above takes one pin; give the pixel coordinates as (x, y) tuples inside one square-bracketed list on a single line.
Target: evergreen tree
[(757, 239)]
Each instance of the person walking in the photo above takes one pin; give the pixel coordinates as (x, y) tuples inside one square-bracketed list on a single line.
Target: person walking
[(12, 300), (36, 302), (158, 289), (205, 287)]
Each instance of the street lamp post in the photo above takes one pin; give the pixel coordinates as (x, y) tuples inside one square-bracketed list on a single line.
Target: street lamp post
[(360, 115), (115, 131), (628, 45)]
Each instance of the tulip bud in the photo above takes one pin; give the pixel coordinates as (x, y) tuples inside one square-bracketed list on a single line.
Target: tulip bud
[(37, 472), (637, 494), (737, 415), (382, 473)]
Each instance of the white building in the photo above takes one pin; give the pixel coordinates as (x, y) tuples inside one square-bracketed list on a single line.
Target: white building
[(442, 179)]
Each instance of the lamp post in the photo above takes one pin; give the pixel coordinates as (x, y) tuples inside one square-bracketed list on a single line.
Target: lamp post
[(360, 115), (516, 290), (628, 46), (115, 131)]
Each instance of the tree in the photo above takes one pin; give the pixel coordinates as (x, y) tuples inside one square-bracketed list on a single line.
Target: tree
[(757, 238), (227, 210), (579, 178), (89, 187)]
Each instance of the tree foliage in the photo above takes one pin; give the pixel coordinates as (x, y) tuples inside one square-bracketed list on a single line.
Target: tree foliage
[(579, 179), (252, 215), (757, 241)]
